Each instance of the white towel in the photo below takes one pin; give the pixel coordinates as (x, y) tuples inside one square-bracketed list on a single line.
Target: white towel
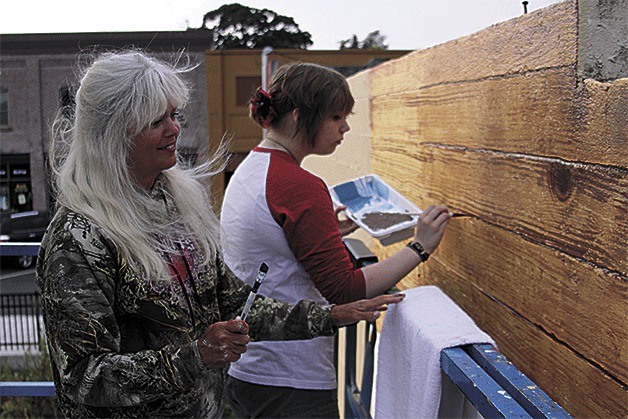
[(413, 335)]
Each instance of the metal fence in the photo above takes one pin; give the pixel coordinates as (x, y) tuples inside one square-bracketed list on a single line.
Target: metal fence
[(21, 322)]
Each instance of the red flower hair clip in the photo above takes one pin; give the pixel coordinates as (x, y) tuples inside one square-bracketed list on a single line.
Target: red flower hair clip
[(262, 109)]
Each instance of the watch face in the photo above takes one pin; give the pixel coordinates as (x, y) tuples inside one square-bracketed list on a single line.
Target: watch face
[(416, 246)]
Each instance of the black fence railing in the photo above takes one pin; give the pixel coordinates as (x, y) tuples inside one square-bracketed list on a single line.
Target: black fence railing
[(21, 322)]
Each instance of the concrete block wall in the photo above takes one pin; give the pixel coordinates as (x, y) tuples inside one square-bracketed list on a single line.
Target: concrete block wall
[(523, 126)]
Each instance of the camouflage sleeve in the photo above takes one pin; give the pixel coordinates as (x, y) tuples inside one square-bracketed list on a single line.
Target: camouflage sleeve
[(271, 319), (232, 292), (76, 274)]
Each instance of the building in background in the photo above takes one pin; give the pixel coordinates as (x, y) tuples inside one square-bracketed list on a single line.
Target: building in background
[(37, 75)]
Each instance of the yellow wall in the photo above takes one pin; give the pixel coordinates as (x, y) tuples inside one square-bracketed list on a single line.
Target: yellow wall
[(505, 126)]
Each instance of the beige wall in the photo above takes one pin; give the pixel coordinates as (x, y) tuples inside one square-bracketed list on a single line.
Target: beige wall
[(352, 158), (506, 125)]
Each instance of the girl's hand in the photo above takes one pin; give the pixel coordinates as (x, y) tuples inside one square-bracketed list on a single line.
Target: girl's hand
[(369, 310), (431, 227), (345, 225)]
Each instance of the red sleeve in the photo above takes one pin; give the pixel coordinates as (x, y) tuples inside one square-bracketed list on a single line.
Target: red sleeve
[(300, 203)]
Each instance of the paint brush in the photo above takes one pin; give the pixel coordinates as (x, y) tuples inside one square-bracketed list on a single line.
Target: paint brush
[(453, 214), (261, 274), (460, 214)]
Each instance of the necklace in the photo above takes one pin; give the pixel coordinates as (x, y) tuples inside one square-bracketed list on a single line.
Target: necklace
[(283, 147)]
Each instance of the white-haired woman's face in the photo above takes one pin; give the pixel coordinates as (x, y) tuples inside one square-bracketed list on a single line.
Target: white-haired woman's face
[(154, 148)]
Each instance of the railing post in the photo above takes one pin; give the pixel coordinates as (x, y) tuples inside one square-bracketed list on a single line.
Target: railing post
[(358, 400)]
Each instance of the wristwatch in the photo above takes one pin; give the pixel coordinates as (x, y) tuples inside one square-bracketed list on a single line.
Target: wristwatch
[(416, 246)]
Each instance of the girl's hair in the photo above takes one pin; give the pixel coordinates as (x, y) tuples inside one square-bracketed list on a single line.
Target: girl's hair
[(318, 92), (119, 94)]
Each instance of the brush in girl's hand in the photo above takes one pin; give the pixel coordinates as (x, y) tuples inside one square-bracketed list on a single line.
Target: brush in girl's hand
[(453, 214), (261, 274)]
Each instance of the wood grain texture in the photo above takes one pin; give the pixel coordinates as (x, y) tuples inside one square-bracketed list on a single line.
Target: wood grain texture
[(544, 113), (558, 294), (546, 38), (575, 208), (579, 386), (510, 133)]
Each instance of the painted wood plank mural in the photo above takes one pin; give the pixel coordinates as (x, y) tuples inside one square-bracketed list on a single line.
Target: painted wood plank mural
[(502, 125)]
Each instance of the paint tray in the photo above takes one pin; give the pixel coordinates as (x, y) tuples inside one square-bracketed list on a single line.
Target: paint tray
[(370, 194)]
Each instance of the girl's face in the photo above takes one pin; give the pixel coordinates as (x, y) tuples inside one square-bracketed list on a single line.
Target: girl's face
[(154, 148), (331, 134)]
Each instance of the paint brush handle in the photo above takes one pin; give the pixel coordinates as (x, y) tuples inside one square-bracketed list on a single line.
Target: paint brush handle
[(247, 306), (261, 274), (453, 214)]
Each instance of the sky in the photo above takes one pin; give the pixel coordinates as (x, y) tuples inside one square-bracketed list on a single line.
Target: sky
[(407, 24)]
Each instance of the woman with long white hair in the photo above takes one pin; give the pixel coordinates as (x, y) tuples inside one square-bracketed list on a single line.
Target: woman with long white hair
[(140, 309)]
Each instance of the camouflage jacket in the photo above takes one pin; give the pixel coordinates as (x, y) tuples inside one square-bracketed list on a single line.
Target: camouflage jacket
[(124, 346)]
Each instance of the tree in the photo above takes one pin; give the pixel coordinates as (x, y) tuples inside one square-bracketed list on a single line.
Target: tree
[(235, 27), (373, 40), (351, 43)]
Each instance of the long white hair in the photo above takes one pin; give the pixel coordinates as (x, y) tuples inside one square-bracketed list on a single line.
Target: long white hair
[(119, 94)]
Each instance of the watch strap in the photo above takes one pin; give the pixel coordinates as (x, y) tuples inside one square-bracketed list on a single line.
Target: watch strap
[(416, 246)]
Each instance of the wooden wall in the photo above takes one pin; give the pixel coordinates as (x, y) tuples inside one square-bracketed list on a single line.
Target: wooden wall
[(501, 125), (510, 125)]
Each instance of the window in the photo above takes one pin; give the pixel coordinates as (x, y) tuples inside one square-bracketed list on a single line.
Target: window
[(4, 197), (245, 88), (4, 108), (15, 182)]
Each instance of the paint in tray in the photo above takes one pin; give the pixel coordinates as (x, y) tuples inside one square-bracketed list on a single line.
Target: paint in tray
[(369, 194)]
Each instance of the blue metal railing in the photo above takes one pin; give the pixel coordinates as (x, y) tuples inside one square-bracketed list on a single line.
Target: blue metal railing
[(27, 389), (486, 377), (19, 248)]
